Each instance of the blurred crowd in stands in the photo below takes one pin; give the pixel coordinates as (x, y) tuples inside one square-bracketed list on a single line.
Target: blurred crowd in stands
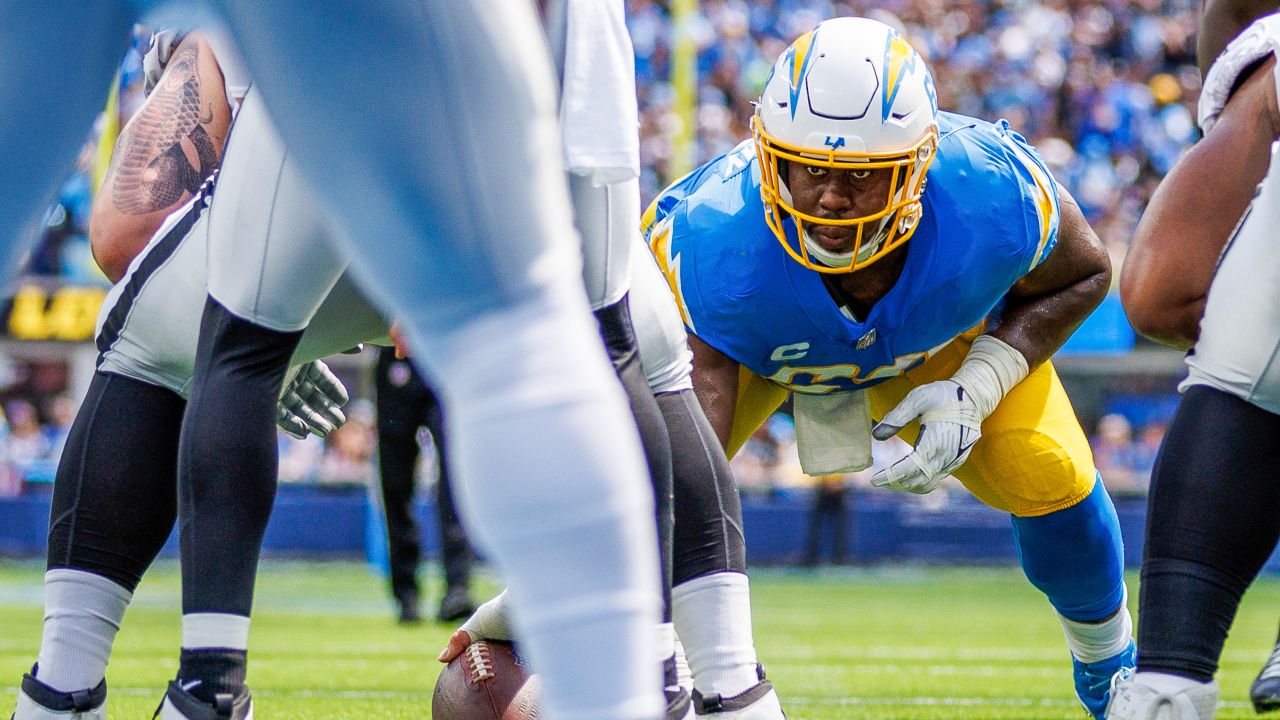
[(1125, 457), (347, 455), (31, 441), (1105, 89), (768, 462)]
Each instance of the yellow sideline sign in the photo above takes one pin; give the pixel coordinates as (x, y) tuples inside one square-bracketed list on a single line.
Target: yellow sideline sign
[(66, 313)]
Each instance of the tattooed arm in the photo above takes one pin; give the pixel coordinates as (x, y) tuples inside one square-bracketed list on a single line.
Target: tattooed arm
[(163, 154)]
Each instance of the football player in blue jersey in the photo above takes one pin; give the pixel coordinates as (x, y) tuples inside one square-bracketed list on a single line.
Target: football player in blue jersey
[(874, 257)]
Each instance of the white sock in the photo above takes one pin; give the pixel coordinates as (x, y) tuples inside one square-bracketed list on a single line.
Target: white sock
[(666, 641), (215, 630), (683, 676), (1091, 642), (82, 614), (1165, 683), (713, 618), (552, 483)]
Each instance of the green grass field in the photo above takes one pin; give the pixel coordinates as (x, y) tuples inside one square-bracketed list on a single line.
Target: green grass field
[(888, 644)]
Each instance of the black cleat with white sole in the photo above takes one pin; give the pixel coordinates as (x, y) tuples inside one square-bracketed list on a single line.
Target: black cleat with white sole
[(37, 701), (758, 702), (180, 704)]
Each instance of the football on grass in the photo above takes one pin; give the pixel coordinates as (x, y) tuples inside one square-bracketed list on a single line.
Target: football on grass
[(488, 681)]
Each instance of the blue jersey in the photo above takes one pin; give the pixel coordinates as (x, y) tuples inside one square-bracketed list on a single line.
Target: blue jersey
[(990, 216)]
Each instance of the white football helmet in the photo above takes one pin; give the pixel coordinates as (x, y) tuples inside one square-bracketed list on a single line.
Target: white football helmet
[(849, 94)]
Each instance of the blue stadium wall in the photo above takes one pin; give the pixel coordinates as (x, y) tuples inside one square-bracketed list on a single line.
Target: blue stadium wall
[(882, 527)]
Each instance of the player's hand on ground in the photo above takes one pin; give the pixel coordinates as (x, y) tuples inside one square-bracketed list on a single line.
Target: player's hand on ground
[(490, 621), (312, 402), (950, 424)]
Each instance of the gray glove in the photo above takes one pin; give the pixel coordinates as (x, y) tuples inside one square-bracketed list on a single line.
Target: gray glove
[(312, 402)]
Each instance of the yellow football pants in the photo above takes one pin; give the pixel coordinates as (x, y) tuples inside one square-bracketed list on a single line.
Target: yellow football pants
[(1033, 457)]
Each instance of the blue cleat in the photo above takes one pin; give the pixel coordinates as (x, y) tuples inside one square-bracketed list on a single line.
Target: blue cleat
[(1093, 680)]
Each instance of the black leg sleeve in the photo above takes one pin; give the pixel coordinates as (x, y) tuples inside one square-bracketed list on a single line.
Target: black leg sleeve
[(455, 551), (1213, 518), (227, 461), (620, 340), (708, 512), (114, 497), (401, 404)]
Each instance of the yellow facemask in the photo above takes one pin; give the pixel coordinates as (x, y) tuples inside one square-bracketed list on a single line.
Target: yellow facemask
[(878, 233)]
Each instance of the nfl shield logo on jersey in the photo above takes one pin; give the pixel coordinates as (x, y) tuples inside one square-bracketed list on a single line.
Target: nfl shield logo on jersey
[(865, 341)]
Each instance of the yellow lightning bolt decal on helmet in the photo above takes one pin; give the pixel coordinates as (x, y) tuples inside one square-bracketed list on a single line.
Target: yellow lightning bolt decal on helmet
[(799, 64), (851, 94), (899, 60)]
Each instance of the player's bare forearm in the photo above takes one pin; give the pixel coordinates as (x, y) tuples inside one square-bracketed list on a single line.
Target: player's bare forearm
[(1221, 21), (1049, 303), (162, 156), (1170, 264), (715, 383)]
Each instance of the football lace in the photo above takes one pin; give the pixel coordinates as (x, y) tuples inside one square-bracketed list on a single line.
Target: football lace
[(479, 661)]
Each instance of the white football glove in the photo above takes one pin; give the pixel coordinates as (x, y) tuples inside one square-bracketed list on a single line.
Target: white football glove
[(949, 426), (490, 621), (163, 43), (951, 414), (312, 402)]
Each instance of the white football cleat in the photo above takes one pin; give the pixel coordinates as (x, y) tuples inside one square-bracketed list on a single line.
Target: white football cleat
[(37, 701), (758, 702), (1132, 700)]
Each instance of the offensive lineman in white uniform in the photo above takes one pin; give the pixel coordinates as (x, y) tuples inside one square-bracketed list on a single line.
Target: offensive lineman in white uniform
[(148, 337), (704, 556), (1214, 509), (159, 340), (114, 502), (466, 234)]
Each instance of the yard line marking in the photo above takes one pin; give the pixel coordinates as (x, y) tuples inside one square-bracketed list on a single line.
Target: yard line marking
[(934, 669), (797, 699), (891, 652)]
